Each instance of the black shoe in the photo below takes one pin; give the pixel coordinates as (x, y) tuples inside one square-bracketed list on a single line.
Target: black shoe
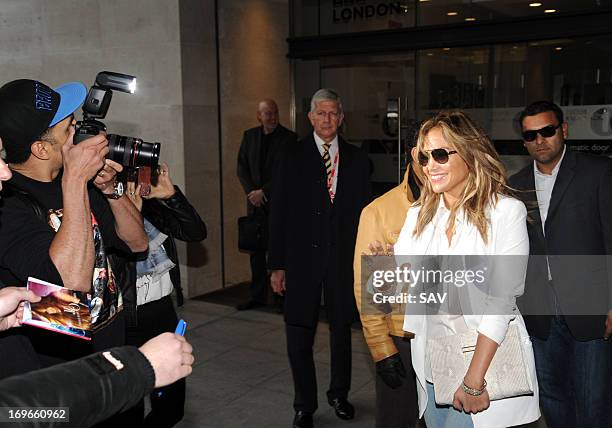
[(344, 409), (302, 420), (251, 304)]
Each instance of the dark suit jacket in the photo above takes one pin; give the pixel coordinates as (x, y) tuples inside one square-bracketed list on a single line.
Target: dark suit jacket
[(312, 239), (250, 162), (578, 224)]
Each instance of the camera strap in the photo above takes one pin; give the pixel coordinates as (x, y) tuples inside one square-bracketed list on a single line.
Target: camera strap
[(27, 199)]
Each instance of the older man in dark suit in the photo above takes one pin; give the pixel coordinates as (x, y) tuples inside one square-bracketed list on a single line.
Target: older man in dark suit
[(258, 151), (321, 188), (568, 294)]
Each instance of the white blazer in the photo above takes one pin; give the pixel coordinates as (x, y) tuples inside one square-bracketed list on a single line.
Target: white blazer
[(507, 236)]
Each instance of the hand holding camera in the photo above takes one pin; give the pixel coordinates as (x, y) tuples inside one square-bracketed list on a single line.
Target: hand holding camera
[(83, 161), (164, 188), (106, 177), (133, 192)]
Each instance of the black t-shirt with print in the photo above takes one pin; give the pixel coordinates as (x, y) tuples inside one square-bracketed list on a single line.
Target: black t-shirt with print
[(24, 251), (25, 240)]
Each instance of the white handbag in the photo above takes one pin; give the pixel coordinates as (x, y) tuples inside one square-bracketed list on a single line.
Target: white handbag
[(450, 356)]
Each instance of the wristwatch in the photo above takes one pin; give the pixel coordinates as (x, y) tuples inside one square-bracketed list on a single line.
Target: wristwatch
[(117, 192)]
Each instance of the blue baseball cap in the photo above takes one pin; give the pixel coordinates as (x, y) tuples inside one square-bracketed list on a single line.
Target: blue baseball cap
[(28, 108), (72, 95)]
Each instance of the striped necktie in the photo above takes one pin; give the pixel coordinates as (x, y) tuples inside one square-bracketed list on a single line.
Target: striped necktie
[(327, 162)]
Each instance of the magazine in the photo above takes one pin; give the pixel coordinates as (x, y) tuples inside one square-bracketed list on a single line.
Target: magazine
[(60, 310)]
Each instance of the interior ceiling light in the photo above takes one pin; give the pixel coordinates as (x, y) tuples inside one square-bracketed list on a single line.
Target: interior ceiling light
[(452, 13), (423, 1), (535, 4), (446, 49), (471, 18), (550, 10), (429, 54), (558, 48)]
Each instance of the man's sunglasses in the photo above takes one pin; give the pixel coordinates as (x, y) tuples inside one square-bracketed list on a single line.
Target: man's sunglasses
[(546, 132), (439, 155)]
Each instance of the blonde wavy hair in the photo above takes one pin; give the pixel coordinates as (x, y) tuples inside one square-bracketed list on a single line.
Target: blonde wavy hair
[(486, 178)]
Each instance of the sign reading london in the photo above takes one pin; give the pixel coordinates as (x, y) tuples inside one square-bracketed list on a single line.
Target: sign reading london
[(354, 10)]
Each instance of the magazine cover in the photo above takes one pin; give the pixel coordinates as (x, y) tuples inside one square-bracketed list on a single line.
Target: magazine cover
[(60, 310)]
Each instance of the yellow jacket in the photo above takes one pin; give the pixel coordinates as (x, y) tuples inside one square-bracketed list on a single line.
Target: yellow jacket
[(382, 220)]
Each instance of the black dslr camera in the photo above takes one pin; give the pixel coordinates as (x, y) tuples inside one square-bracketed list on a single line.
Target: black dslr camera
[(128, 151)]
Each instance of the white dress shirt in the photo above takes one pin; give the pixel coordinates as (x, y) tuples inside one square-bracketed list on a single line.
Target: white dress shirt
[(544, 184), (507, 236), (334, 155)]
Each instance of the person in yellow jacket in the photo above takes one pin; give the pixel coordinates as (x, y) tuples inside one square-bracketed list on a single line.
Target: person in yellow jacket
[(396, 397)]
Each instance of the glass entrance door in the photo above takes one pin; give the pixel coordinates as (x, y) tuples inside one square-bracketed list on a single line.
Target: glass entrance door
[(365, 84)]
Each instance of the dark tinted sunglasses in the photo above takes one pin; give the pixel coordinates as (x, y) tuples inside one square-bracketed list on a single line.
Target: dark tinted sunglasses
[(439, 155), (546, 132)]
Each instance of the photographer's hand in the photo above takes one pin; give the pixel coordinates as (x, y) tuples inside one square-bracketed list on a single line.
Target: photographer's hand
[(82, 161), (133, 193), (72, 248), (164, 188), (105, 179)]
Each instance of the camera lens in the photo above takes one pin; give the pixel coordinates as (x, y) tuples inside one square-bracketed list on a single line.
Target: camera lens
[(148, 154), (133, 152)]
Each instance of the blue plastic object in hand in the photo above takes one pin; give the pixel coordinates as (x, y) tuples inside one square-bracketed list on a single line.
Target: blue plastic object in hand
[(181, 327)]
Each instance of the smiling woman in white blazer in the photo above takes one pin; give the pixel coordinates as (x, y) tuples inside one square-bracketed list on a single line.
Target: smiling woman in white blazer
[(466, 208)]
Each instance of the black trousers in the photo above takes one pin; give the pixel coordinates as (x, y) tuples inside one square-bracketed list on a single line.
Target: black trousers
[(259, 268), (259, 276), (300, 341), (398, 407), (167, 403)]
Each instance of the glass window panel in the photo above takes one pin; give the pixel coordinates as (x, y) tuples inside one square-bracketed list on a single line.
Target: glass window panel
[(307, 82), (319, 17), (439, 12), (365, 84), (452, 78), (305, 18)]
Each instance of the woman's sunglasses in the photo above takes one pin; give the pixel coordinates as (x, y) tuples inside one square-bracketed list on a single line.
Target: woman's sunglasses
[(546, 132), (439, 155)]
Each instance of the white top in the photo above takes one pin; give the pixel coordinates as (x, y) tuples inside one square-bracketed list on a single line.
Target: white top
[(150, 288), (334, 156), (507, 236)]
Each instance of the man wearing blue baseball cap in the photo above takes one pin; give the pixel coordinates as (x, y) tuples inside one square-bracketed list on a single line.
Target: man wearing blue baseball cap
[(61, 218)]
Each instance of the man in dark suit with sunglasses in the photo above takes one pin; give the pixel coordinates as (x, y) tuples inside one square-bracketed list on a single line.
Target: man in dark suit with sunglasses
[(568, 294)]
